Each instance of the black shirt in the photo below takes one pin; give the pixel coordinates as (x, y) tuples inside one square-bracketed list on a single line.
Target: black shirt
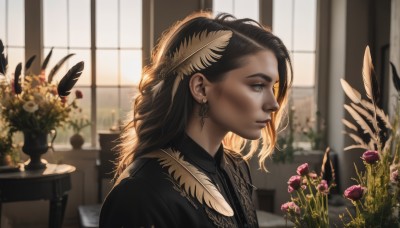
[(153, 196)]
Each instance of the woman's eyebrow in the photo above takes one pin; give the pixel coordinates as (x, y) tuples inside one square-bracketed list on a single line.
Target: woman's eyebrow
[(261, 75)]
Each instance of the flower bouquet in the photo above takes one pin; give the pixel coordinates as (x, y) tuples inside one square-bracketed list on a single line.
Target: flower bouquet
[(375, 196), (33, 105), (309, 197)]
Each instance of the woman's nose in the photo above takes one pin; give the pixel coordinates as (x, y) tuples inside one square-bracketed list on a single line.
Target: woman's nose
[(271, 104)]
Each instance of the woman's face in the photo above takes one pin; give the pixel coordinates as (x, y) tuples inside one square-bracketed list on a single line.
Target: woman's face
[(242, 102)]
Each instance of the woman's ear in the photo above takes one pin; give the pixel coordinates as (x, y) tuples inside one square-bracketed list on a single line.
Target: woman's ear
[(197, 84)]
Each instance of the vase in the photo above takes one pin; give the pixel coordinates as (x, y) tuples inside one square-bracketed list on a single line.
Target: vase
[(76, 141), (35, 145)]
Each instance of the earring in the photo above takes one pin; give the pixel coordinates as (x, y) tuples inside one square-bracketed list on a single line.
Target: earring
[(203, 111)]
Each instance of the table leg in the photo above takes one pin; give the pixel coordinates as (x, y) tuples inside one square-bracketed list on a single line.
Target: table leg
[(57, 209)]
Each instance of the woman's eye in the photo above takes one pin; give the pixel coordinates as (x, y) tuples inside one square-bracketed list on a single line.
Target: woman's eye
[(258, 87)]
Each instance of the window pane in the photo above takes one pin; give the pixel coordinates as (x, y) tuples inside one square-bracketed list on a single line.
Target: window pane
[(304, 25), (131, 65), (107, 67), (15, 56), (79, 20), (3, 21), (223, 6), (238, 8), (16, 23), (126, 100), (282, 21), (107, 23), (82, 55), (246, 8), (304, 69), (55, 23), (56, 56), (131, 23), (107, 107), (64, 133)]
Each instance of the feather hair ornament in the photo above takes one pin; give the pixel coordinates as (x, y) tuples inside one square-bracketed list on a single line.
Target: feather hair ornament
[(195, 53), (193, 181)]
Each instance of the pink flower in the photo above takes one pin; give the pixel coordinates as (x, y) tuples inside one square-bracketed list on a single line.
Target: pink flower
[(354, 192), (78, 94), (303, 170), (289, 207), (394, 176), (294, 183), (370, 156), (323, 187), (313, 175)]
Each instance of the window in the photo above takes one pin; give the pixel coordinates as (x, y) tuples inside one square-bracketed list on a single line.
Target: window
[(111, 51), (12, 32), (238, 8), (294, 21)]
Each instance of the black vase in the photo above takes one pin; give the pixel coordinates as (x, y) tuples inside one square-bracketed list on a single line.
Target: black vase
[(35, 145)]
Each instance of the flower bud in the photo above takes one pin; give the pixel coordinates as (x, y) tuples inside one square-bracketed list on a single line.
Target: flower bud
[(303, 170), (354, 192), (294, 183), (78, 94), (394, 176), (370, 156), (290, 207), (323, 187)]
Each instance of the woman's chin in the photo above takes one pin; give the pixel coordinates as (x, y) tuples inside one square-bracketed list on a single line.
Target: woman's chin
[(250, 135)]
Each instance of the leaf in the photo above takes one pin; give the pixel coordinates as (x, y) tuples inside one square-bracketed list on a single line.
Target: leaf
[(69, 80), (395, 77), (349, 125), (361, 122), (197, 53), (3, 60), (29, 62), (57, 67), (46, 60), (192, 180), (17, 74), (369, 78), (352, 93)]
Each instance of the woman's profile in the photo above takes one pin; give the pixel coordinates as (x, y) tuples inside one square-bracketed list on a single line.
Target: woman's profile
[(214, 85)]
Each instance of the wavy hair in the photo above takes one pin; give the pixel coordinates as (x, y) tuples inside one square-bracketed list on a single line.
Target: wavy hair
[(157, 122)]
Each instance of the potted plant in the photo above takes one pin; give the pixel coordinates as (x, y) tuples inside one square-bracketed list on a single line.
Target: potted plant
[(77, 122)]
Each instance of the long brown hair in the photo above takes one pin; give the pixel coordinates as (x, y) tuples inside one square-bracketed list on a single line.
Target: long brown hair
[(156, 123)]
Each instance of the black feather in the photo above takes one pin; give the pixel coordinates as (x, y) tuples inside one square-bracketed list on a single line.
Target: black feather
[(46, 60), (17, 84), (28, 63), (395, 77), (57, 67), (3, 60), (69, 80)]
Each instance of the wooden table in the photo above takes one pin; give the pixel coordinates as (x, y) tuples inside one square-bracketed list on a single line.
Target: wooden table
[(52, 183)]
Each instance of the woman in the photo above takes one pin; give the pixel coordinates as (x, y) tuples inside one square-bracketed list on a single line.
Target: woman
[(212, 86)]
